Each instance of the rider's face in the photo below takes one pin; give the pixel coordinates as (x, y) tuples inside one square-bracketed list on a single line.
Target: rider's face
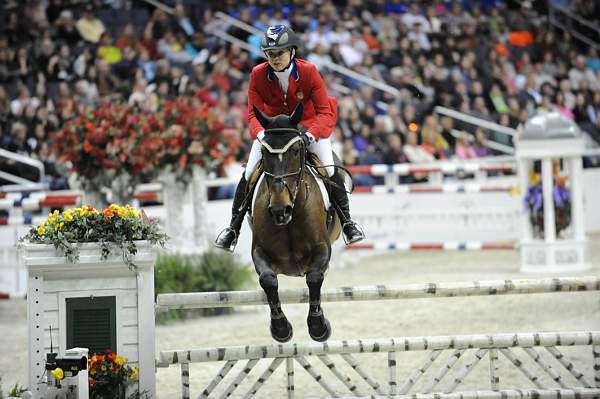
[(279, 59)]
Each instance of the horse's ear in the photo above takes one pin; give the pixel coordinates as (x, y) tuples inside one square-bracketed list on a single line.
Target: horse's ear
[(263, 119), (296, 116)]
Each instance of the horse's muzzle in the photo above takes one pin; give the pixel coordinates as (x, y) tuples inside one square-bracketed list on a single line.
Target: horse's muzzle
[(281, 215)]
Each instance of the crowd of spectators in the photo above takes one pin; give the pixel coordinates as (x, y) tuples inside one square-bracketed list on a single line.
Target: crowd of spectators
[(492, 59)]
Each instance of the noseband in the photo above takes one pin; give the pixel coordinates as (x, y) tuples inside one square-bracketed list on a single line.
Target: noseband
[(299, 173)]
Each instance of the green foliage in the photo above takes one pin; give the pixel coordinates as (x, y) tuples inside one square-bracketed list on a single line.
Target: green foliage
[(115, 226), (16, 390), (211, 271)]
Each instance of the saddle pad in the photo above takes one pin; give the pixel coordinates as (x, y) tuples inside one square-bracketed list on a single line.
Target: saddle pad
[(320, 183)]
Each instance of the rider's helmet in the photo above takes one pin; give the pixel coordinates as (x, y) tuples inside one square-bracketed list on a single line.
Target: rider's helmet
[(279, 37)]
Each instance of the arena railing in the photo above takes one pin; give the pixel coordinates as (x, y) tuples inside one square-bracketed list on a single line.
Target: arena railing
[(491, 126), (563, 18), (23, 160)]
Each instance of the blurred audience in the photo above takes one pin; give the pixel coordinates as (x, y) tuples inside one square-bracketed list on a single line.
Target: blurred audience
[(493, 59)]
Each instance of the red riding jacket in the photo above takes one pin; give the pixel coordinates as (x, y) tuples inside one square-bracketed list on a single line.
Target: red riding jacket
[(306, 85)]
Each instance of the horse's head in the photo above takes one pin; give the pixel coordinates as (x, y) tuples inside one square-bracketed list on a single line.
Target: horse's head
[(283, 153)]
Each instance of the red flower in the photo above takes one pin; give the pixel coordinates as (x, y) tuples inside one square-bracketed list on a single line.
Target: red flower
[(87, 147)]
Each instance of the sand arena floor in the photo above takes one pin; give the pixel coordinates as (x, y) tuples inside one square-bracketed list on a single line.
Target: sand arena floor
[(381, 319)]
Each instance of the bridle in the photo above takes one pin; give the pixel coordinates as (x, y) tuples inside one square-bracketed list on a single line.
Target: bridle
[(298, 173)]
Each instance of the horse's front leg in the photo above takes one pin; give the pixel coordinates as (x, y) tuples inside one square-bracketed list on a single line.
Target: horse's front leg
[(281, 329), (318, 326)]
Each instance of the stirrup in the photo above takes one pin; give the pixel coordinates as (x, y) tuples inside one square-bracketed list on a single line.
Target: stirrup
[(355, 239), (232, 245)]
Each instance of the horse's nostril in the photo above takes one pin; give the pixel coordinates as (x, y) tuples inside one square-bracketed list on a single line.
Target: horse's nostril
[(287, 210)]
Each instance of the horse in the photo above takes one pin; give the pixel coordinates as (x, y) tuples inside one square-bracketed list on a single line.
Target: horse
[(291, 234)]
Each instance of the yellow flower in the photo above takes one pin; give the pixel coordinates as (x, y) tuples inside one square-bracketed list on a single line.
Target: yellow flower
[(41, 230), (61, 225), (82, 212), (52, 217), (68, 214), (120, 360), (134, 373), (103, 368)]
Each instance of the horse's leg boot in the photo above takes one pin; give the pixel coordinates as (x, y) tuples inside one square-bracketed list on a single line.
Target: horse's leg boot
[(352, 232), (227, 239)]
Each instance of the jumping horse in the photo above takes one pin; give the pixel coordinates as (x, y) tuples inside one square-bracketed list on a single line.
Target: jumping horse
[(292, 232)]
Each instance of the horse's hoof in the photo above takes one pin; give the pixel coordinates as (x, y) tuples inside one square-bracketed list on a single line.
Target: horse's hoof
[(282, 334), (321, 336)]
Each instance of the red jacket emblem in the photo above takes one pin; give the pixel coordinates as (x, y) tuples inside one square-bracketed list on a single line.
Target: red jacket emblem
[(305, 84)]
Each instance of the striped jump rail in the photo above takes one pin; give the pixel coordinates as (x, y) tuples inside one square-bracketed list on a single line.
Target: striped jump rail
[(446, 188), (378, 292), (441, 246), (484, 345), (527, 352), (37, 201), (404, 169)]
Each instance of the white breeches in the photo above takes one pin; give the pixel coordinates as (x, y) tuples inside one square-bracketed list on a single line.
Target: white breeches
[(322, 148)]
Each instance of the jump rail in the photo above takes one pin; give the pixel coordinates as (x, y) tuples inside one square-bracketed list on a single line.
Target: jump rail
[(472, 348), (404, 169), (379, 292), (428, 246)]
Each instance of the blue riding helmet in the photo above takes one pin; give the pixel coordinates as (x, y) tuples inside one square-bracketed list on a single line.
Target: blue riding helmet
[(279, 37)]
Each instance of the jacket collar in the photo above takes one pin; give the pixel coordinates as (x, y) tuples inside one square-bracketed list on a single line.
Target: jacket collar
[(294, 73)]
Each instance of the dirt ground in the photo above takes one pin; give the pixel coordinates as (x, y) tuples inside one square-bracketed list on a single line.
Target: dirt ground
[(374, 319)]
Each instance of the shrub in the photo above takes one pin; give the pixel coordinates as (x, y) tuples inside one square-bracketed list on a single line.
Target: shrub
[(211, 271)]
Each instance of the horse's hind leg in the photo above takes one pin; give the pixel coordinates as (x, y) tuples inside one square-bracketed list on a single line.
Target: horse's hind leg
[(319, 328), (281, 329)]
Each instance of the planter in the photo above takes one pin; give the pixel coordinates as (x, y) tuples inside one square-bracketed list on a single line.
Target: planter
[(59, 291)]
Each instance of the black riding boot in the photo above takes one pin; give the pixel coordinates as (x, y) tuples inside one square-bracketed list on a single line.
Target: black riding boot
[(227, 239), (352, 233)]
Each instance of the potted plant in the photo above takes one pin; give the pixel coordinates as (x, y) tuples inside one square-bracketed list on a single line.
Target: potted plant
[(115, 227)]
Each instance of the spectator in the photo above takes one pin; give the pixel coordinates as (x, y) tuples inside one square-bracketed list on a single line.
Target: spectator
[(66, 30), (464, 149), (580, 71), (89, 27), (480, 147), (414, 153)]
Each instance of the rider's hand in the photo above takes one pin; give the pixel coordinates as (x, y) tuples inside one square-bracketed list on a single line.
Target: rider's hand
[(261, 135)]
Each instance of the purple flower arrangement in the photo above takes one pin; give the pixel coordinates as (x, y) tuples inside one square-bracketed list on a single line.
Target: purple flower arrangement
[(534, 202)]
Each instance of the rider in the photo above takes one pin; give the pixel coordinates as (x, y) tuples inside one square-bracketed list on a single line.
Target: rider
[(276, 87)]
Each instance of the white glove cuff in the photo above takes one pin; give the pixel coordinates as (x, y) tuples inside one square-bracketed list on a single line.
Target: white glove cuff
[(261, 135), (311, 138)]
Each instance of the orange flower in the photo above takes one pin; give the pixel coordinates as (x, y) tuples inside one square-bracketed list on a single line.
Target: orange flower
[(108, 213)]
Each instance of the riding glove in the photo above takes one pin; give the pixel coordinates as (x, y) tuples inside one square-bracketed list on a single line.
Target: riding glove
[(311, 138)]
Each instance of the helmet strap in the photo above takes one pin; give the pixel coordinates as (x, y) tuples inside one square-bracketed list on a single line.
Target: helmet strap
[(292, 55)]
